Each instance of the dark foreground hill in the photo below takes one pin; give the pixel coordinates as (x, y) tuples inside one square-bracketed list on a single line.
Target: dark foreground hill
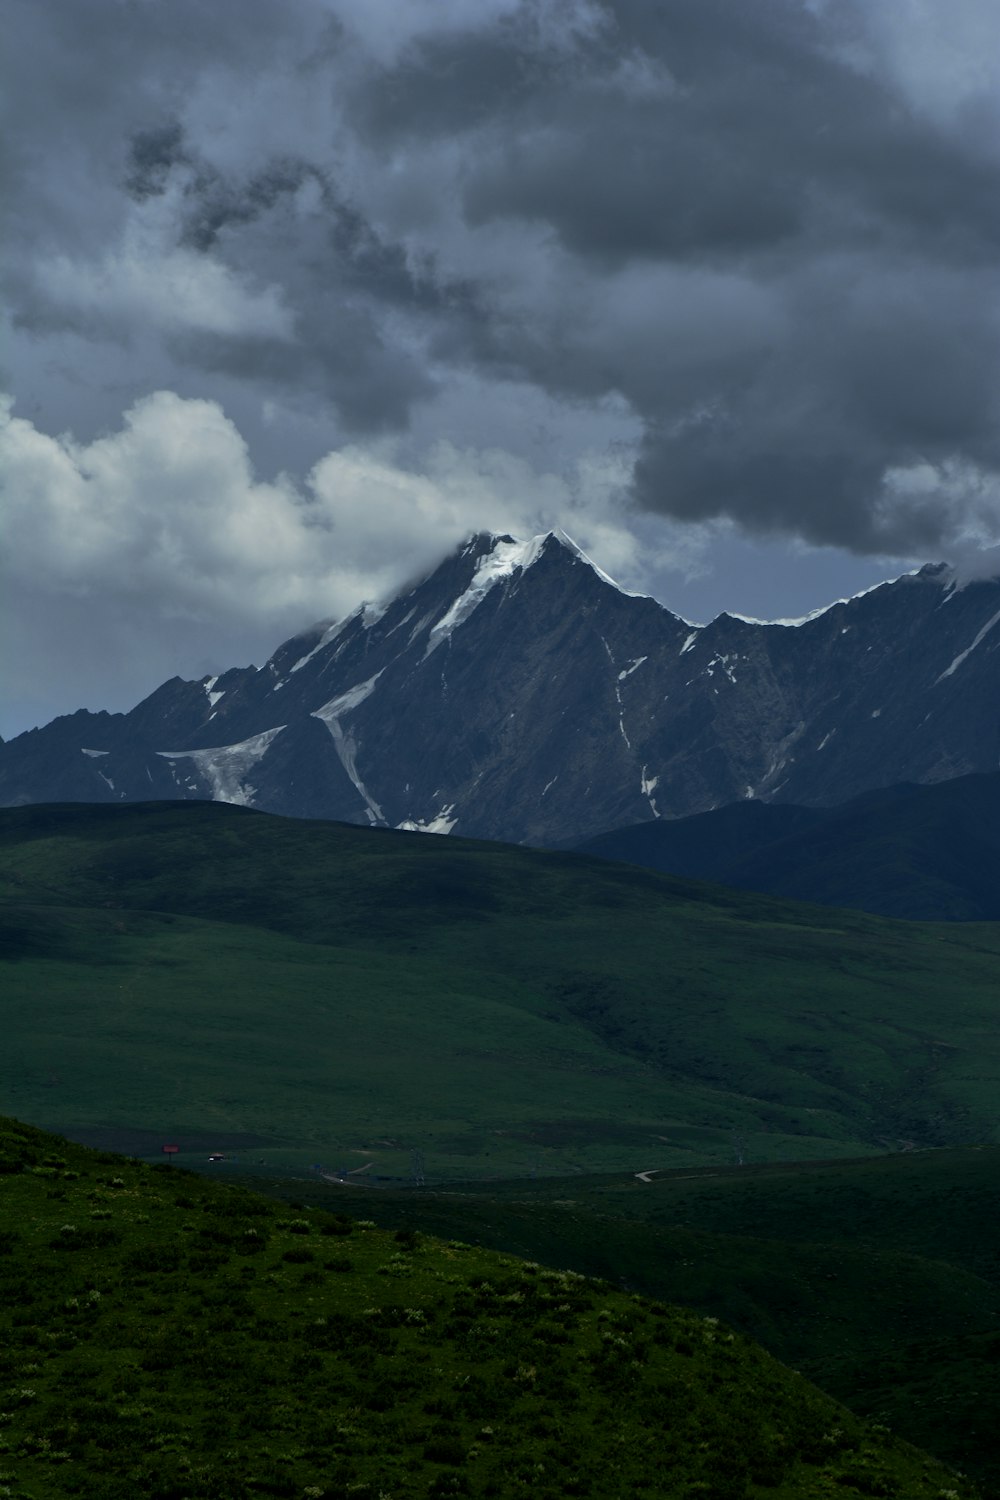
[(878, 1279), (210, 976), (168, 1337), (927, 852), (517, 693)]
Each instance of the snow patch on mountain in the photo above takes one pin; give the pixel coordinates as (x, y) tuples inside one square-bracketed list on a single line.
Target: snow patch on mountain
[(627, 672), (93, 754), (367, 614), (225, 767), (948, 671), (371, 614), (421, 624), (404, 621), (213, 698), (506, 558), (618, 694), (723, 662), (442, 822), (330, 633), (344, 702), (345, 743)]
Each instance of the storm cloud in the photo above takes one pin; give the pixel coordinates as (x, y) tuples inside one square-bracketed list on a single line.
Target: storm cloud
[(748, 252), (756, 230), (750, 223)]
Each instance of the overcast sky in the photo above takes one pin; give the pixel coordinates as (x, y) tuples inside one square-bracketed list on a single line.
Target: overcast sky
[(299, 292)]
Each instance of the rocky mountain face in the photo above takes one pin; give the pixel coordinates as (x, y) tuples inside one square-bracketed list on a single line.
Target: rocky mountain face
[(517, 693)]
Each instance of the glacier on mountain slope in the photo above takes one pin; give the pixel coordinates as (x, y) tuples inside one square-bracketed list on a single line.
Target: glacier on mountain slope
[(225, 766), (442, 822), (647, 786), (948, 671), (344, 742), (344, 702)]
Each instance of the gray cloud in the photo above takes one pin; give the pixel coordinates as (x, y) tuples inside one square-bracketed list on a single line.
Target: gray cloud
[(153, 154), (747, 142), (769, 231)]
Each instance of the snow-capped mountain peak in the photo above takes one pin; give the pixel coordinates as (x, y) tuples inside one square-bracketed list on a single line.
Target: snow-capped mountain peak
[(517, 692), (505, 557)]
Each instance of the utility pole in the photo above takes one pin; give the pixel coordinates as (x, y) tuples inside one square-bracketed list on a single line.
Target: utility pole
[(739, 1147), (417, 1168)]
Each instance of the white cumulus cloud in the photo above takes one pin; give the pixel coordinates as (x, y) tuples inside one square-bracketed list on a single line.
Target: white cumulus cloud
[(158, 549)]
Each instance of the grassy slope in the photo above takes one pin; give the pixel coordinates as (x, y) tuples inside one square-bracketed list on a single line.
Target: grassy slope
[(167, 1337), (943, 1205), (879, 1279), (343, 992)]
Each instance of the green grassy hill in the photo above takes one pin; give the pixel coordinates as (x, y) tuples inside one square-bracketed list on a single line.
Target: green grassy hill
[(322, 993), (879, 1279), (170, 1337)]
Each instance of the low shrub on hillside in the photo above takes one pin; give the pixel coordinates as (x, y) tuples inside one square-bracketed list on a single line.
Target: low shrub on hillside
[(159, 1359)]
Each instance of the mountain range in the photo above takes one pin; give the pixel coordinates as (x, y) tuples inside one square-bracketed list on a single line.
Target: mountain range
[(518, 693)]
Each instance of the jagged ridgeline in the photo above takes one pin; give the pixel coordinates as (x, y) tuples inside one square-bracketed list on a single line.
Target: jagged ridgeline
[(518, 693), (170, 1337)]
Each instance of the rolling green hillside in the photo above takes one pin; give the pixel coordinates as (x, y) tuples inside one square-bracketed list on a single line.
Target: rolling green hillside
[(879, 1279), (322, 993), (169, 1337)]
